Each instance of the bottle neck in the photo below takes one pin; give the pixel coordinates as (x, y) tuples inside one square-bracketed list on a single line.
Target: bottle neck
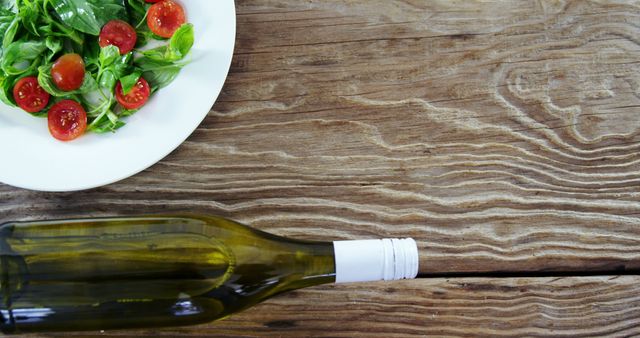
[(315, 264), (354, 261), (373, 260)]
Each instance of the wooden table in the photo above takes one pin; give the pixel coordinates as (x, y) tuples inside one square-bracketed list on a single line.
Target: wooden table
[(503, 135)]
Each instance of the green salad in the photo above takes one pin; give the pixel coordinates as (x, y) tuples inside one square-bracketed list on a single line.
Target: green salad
[(85, 65)]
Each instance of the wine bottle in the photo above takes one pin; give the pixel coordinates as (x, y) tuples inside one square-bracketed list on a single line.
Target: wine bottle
[(157, 271)]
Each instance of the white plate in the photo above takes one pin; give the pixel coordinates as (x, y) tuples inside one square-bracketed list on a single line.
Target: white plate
[(30, 158)]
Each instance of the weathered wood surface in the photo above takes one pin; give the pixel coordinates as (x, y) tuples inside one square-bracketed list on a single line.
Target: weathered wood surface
[(570, 307), (503, 135)]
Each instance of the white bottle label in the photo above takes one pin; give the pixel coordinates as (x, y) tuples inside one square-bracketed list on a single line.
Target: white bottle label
[(376, 259)]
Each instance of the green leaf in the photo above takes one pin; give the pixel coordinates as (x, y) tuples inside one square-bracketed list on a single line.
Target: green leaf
[(6, 90), (108, 55), (123, 64), (158, 73), (52, 27), (42, 114), (137, 11), (102, 115), (8, 4), (29, 13), (96, 103), (112, 66), (112, 117), (181, 42), (89, 16), (107, 79), (46, 82), (161, 78), (129, 81), (9, 33), (105, 126), (156, 54), (128, 112), (160, 65), (21, 56), (7, 19), (54, 45), (91, 56), (179, 46)]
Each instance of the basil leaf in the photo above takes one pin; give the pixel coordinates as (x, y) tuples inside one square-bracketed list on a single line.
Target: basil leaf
[(91, 57), (21, 56), (112, 66), (158, 73), (137, 11), (159, 65), (108, 55), (9, 31), (101, 110), (181, 42), (123, 64), (179, 46), (129, 81), (112, 117), (88, 16), (96, 102), (54, 45), (8, 4), (6, 90), (107, 79), (105, 126), (51, 26), (29, 13), (161, 78), (128, 112), (7, 19)]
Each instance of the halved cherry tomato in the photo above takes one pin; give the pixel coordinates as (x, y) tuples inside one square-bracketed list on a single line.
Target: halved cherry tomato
[(68, 72), (29, 95), (67, 120), (165, 17), (137, 97), (119, 34)]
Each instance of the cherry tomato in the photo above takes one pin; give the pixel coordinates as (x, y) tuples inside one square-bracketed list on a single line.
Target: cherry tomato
[(68, 72), (165, 17), (29, 95), (67, 120), (119, 34), (136, 98)]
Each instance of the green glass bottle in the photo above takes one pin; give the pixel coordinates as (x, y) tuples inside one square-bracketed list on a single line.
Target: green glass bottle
[(156, 271)]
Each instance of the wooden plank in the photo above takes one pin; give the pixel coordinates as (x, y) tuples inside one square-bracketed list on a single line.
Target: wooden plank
[(479, 307), (503, 136)]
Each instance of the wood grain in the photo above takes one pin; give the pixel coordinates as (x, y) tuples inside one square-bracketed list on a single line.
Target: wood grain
[(503, 135), (502, 142), (521, 307)]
